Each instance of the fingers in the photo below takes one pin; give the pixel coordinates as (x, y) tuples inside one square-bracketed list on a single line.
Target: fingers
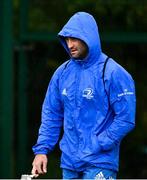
[(39, 165), (44, 167), (34, 172)]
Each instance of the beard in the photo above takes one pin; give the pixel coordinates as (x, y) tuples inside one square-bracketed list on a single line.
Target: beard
[(78, 53)]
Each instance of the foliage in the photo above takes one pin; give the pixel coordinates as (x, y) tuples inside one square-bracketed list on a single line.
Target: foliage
[(112, 15)]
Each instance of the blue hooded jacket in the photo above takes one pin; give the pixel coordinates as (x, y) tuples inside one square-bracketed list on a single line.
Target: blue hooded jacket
[(95, 115)]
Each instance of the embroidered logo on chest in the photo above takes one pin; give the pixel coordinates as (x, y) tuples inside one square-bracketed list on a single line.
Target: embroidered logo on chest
[(88, 93)]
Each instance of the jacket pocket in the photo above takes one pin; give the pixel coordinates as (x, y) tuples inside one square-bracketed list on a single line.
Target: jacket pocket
[(91, 146), (95, 145)]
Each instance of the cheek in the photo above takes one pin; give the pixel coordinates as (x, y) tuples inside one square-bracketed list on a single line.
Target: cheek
[(84, 50), (80, 50)]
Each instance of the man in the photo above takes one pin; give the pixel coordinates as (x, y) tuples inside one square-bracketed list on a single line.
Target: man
[(93, 98)]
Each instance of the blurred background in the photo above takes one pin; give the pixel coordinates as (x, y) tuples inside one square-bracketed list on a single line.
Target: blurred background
[(29, 54)]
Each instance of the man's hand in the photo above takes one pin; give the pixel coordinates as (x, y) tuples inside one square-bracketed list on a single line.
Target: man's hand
[(39, 165)]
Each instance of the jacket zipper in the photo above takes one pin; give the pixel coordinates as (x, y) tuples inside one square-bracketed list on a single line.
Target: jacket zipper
[(76, 109)]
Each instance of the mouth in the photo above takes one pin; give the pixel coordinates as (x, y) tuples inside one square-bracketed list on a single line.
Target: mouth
[(73, 51)]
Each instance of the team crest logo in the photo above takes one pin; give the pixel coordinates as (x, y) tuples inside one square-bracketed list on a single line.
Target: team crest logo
[(88, 93)]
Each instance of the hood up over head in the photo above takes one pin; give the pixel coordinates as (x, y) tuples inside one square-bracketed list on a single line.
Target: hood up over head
[(83, 26)]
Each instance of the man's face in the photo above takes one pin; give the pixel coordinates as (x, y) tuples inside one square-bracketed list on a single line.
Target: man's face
[(78, 49)]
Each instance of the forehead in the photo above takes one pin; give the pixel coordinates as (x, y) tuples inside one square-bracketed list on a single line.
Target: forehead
[(73, 39)]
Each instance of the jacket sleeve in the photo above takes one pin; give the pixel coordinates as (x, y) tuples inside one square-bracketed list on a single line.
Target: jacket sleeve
[(123, 104), (51, 120)]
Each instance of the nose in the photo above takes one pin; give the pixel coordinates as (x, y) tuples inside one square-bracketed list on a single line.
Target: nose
[(69, 43)]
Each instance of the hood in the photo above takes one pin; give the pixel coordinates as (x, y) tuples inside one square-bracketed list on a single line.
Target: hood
[(83, 26)]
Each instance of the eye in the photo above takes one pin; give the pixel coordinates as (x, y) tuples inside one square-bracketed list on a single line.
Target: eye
[(71, 39), (74, 39), (66, 39)]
